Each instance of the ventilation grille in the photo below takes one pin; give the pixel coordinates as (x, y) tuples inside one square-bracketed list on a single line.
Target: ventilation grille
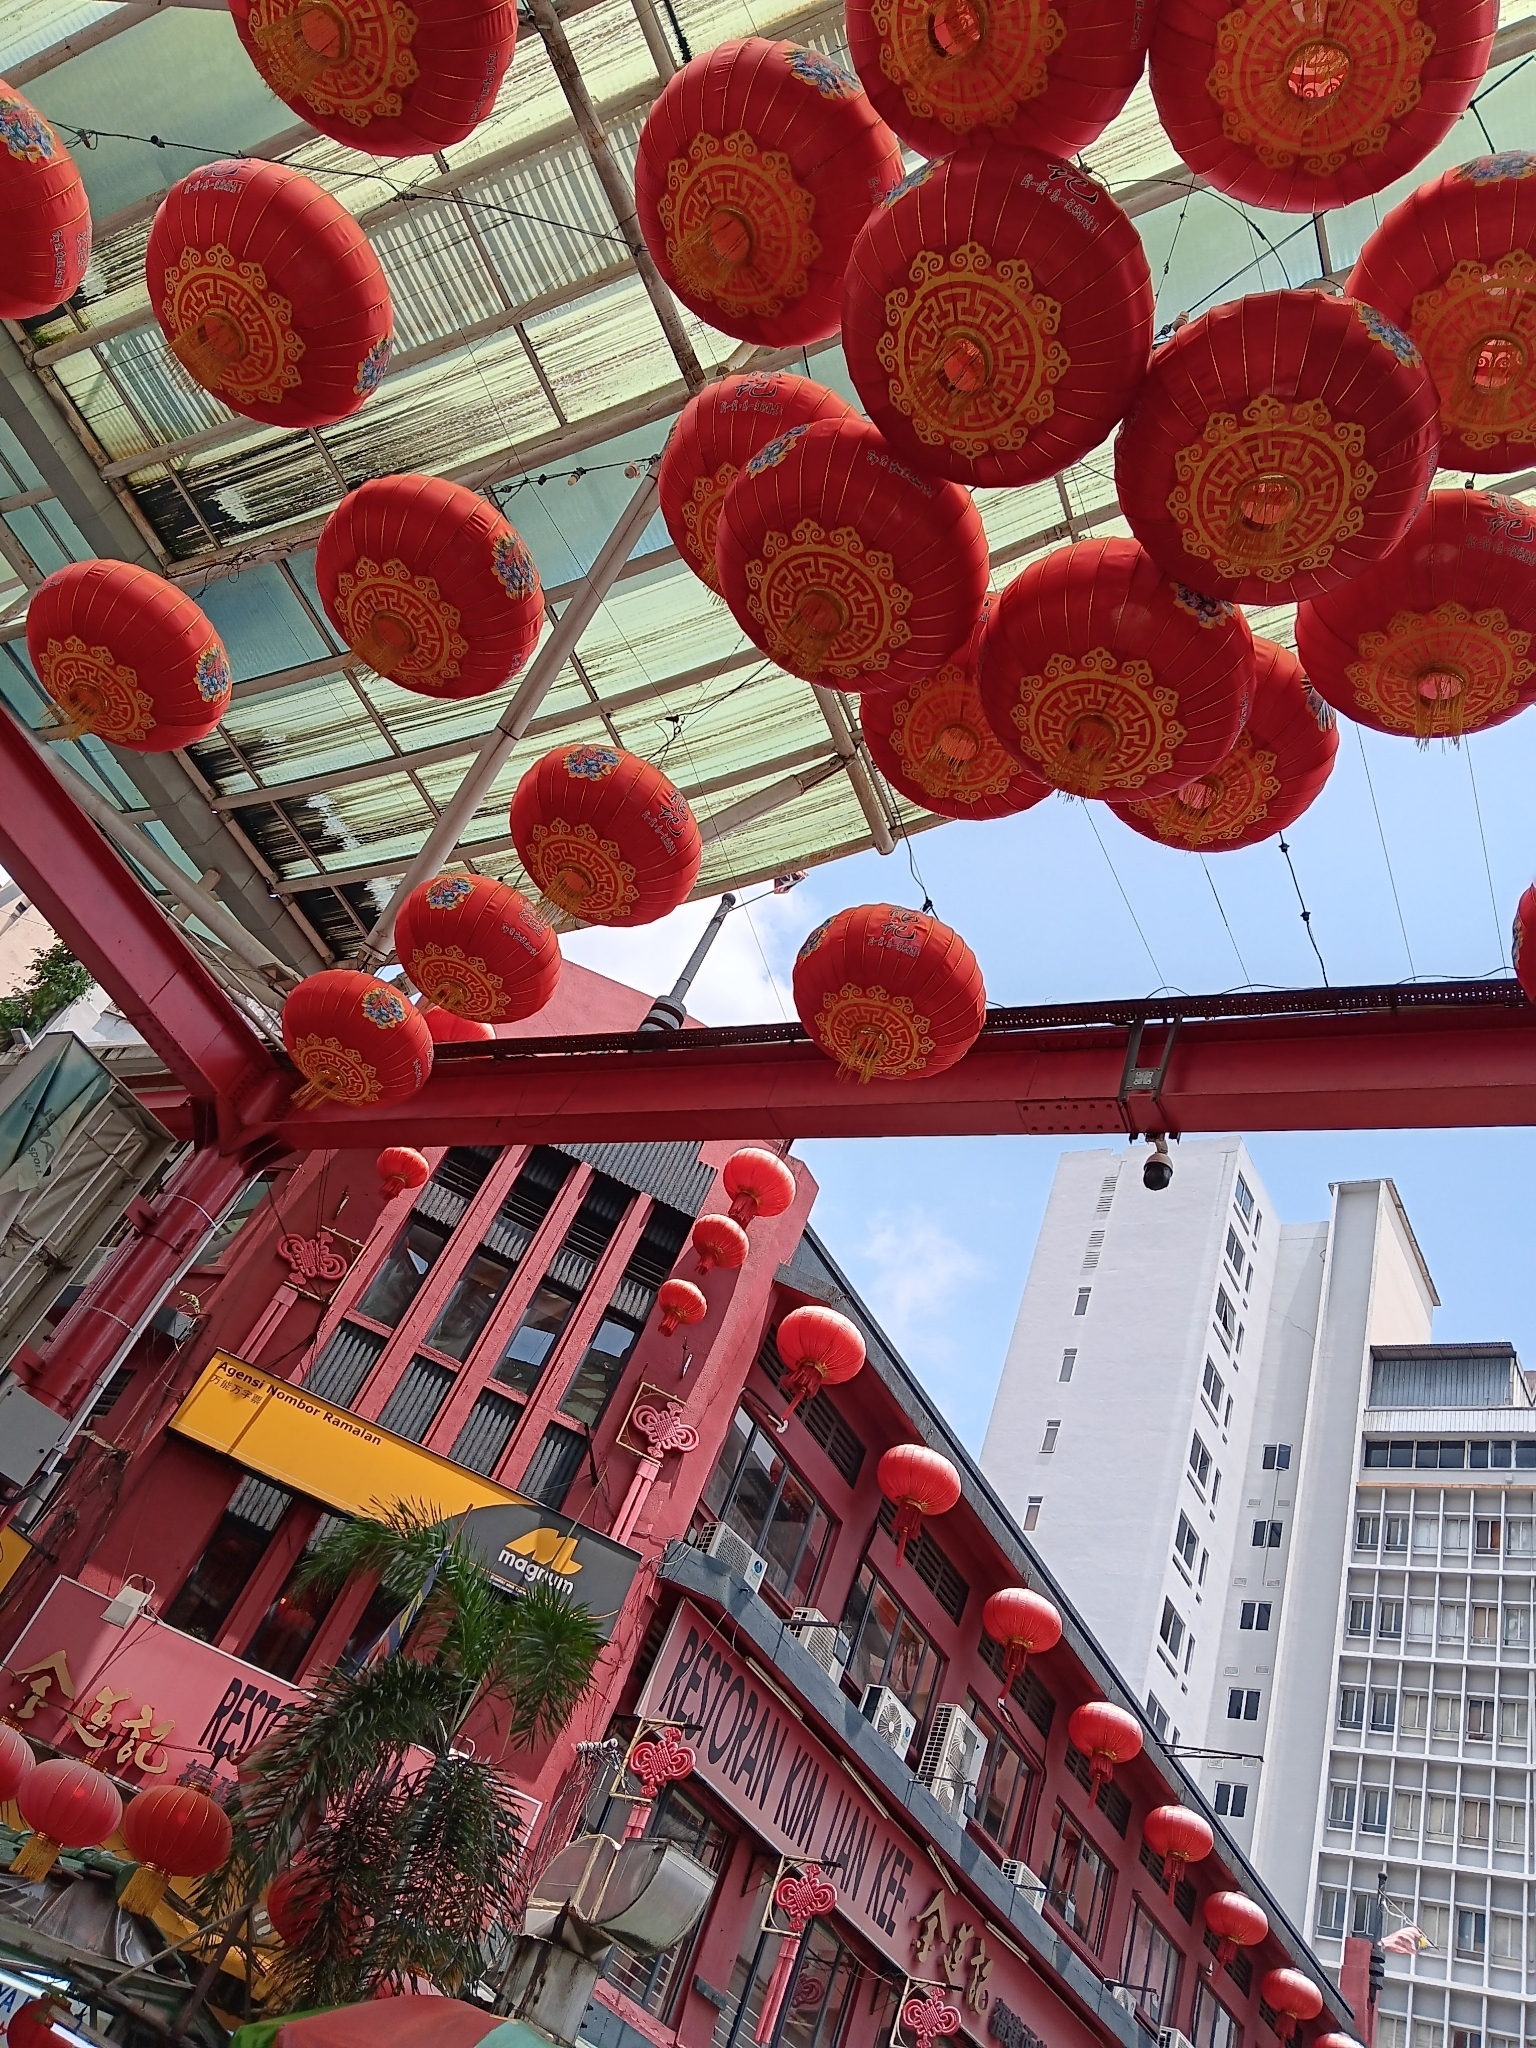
[(1106, 1195), (932, 1567), (554, 1465), (344, 1364), (486, 1433), (821, 1420), (412, 1408), (1095, 1246), (253, 1500), (532, 1195), (1111, 1802), (1026, 1692)]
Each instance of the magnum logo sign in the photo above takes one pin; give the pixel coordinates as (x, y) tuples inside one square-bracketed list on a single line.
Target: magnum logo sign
[(524, 1544)]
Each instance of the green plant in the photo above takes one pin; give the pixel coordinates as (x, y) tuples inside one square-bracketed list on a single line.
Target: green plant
[(54, 981)]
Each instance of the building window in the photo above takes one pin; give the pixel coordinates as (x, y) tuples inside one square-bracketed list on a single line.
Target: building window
[(1232, 1800), (522, 1363), (1471, 1934), (1367, 1532), (1359, 1623), (1487, 1538), (1214, 1386), (232, 1553), (1405, 1815), (554, 1465), (1508, 1824), (767, 1502), (1082, 1301), (1396, 1532), (1243, 1196), (1485, 1625), (1415, 1714), (1453, 1621), (1512, 1720), (1157, 1714), (1277, 1457), (398, 1281), (1351, 1706), (1032, 1511), (1199, 1463), (1185, 1542), (1151, 1967), (349, 1356), (1241, 1705), (1520, 1536), (1068, 1361), (1373, 1809), (1458, 1530), (1341, 1806), (1505, 1945), (594, 1380), (468, 1307), (1077, 1882), (291, 1623), (1439, 1817), (1383, 1710), (1226, 1317), (1331, 1906), (1213, 2026), (1447, 1719), (1171, 1628), (1006, 1785), (1389, 1618), (653, 1982), (1048, 1441), (1267, 1535), (1474, 1822), (886, 1646), (1237, 1252), (1517, 1628), (1421, 1620), (1426, 1533), (1480, 1720), (1254, 1614)]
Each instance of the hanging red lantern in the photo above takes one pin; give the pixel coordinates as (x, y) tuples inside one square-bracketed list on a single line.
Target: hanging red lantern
[(269, 293), (41, 2023), (1523, 946), (445, 1028), (1235, 1921), (818, 1348), (171, 1831), (392, 80), (845, 565), (401, 1168), (474, 946), (1436, 640), (67, 1805), (605, 836), (126, 656), (890, 994), (1049, 74), (757, 166), (430, 586), (1107, 1736), (718, 431), (719, 1241), (293, 1902), (45, 220), (1024, 1623), (1276, 768), (1180, 1837), (1454, 266), (759, 1183), (1290, 1994), (997, 316), (916, 1481), (1280, 445), (355, 1040), (680, 1302), (16, 1761), (1298, 108), (1110, 681)]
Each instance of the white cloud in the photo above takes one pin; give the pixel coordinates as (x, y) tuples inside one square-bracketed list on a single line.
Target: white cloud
[(915, 1274)]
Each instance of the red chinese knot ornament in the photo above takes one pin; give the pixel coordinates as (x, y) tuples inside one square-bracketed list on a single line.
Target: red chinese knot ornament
[(1023, 1622), (1106, 1735), (719, 1241), (1290, 1993), (660, 1759), (1235, 1921), (67, 1805), (355, 1040), (1180, 1837), (759, 1183), (401, 1168), (605, 836), (474, 946), (45, 221), (930, 2018), (171, 1831), (680, 1302), (890, 994), (818, 1348), (916, 1481)]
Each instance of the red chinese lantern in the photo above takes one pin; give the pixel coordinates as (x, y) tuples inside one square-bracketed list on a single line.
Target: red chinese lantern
[(16, 1761), (40, 2023), (1280, 445), (1436, 640), (818, 1348), (757, 167), (680, 1302), (605, 836), (1235, 1921), (1110, 681), (401, 1167), (916, 1481), (1453, 266), (447, 1029), (1180, 1837), (845, 565), (45, 221), (474, 946), (933, 744), (269, 293), (293, 1902), (355, 1040), (1107, 1736), (395, 81), (1523, 945), (759, 1183), (1276, 768), (889, 993), (1290, 1994), (997, 316), (719, 1241), (1297, 108), (171, 1831), (67, 1805), (1024, 1623), (430, 586), (948, 72), (719, 430), (126, 656)]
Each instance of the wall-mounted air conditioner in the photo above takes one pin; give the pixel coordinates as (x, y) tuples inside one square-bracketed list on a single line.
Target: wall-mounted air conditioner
[(890, 1717), (719, 1539), (952, 1761), (816, 1635), (1023, 1879)]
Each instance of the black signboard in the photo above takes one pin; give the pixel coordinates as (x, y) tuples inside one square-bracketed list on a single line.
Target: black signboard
[(524, 1544)]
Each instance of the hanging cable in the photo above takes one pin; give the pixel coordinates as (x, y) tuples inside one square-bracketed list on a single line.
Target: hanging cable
[(1242, 964), (1493, 897), (1306, 915), (1382, 836), (1162, 979)]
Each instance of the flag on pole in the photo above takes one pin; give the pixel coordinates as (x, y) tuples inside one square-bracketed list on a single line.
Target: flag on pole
[(1406, 1941)]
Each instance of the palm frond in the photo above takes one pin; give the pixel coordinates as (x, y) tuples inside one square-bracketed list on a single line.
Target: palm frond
[(402, 1550)]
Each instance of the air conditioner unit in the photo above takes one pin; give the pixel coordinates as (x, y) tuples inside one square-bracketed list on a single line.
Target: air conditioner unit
[(816, 1635), (1023, 1879), (1170, 2037), (719, 1539), (953, 1756), (890, 1717)]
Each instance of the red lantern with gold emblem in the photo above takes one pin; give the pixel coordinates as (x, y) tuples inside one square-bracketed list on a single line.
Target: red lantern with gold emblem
[(45, 222), (171, 1831), (719, 430), (890, 994), (1436, 640), (917, 1481), (401, 1168), (997, 316), (474, 946), (1298, 106), (605, 836), (1278, 764), (126, 656), (1523, 942), (355, 1040), (269, 293), (67, 1805), (430, 585), (1280, 445), (758, 165), (1023, 1622), (1107, 1735), (1110, 681), (759, 1183), (1455, 267), (719, 1241), (393, 80), (845, 564)]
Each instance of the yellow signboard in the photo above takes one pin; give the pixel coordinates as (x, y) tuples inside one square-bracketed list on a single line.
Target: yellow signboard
[(331, 1455)]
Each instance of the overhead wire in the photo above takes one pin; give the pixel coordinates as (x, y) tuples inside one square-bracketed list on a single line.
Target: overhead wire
[(1242, 964), (1493, 897), (1306, 915), (1162, 979), (1386, 856)]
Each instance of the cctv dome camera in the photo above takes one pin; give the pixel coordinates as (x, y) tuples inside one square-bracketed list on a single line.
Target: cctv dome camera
[(1158, 1170)]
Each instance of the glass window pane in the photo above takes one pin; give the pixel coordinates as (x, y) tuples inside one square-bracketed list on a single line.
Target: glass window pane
[(723, 1478), (872, 1646), (396, 1284), (594, 1380), (798, 1592), (535, 1337), (289, 1625), (468, 1308)]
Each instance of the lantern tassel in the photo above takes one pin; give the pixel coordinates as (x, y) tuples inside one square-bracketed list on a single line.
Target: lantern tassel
[(36, 1857), (1172, 1868), (145, 1889), (1015, 1658), (905, 1528), (1100, 1770), (309, 1095)]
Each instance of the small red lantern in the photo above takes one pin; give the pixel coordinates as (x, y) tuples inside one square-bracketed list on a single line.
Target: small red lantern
[(1280, 445), (126, 656), (16, 1761), (1436, 640), (1110, 681), (355, 1040), (718, 431), (1235, 1921), (1290, 1994), (1180, 1837), (171, 1831), (293, 1902), (401, 1168), (67, 1805), (890, 994), (430, 586), (916, 1481), (1523, 943), (474, 946), (40, 2023), (844, 564), (447, 1029), (394, 81), (819, 1348), (680, 1302), (1298, 109), (997, 316), (759, 1183), (719, 1241), (1107, 1736), (1277, 767), (1025, 1624), (605, 836), (45, 220), (269, 293), (757, 166)]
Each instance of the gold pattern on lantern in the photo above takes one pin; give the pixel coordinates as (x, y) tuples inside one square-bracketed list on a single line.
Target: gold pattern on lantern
[(350, 58), (581, 874), (1094, 722), (701, 517), (333, 1072), (737, 224), (940, 735), (965, 63), (873, 1035), (229, 329), (458, 981), (400, 623), (1441, 673), (1476, 331), (1220, 804), (828, 605), (94, 693)]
